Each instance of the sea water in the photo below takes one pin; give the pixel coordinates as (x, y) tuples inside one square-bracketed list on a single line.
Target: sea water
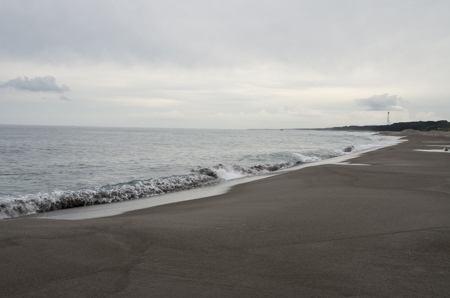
[(46, 168)]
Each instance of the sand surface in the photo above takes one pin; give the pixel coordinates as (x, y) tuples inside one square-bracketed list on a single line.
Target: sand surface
[(377, 228)]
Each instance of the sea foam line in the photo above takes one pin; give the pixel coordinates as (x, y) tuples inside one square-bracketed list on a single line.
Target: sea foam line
[(15, 206)]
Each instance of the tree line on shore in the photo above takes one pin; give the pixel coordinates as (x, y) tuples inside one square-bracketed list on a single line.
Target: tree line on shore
[(442, 125)]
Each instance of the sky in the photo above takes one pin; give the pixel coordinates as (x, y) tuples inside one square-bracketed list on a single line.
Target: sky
[(224, 64)]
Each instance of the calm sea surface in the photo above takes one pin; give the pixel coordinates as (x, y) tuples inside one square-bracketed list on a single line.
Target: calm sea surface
[(44, 168)]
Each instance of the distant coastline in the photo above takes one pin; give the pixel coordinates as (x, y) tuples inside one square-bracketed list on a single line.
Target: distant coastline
[(442, 125)]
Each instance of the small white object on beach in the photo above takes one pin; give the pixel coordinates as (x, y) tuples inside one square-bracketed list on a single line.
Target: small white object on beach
[(432, 150)]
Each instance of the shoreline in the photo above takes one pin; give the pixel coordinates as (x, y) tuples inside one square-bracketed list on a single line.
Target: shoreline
[(332, 230), (116, 208)]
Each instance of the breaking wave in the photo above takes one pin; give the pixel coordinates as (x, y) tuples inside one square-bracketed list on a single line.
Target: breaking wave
[(43, 202), (15, 206)]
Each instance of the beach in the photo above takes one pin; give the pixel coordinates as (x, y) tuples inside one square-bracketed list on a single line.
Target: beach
[(377, 226)]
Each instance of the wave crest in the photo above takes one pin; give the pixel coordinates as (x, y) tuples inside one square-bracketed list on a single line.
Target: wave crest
[(29, 204), (228, 171)]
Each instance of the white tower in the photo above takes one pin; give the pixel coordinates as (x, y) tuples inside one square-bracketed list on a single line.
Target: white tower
[(388, 122)]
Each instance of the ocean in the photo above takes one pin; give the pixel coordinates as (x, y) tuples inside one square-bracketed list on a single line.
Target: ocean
[(47, 168)]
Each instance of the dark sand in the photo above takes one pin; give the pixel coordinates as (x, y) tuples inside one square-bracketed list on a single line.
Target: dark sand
[(381, 230)]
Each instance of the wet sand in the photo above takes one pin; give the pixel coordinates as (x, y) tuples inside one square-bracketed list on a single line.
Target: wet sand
[(376, 227)]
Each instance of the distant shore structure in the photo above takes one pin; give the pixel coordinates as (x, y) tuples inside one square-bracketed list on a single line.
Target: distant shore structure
[(388, 122)]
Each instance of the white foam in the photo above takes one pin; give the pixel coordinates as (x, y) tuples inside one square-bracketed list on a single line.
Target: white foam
[(43, 202), (98, 211), (432, 150), (305, 158), (229, 174), (379, 141), (352, 164)]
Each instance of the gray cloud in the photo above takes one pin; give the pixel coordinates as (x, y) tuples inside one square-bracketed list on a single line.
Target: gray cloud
[(62, 97), (229, 33), (383, 102), (47, 83)]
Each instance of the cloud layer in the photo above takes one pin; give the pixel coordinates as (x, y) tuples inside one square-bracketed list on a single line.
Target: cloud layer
[(253, 64), (383, 102), (37, 84)]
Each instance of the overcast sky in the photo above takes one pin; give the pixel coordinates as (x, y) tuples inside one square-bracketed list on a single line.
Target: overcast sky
[(224, 64)]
